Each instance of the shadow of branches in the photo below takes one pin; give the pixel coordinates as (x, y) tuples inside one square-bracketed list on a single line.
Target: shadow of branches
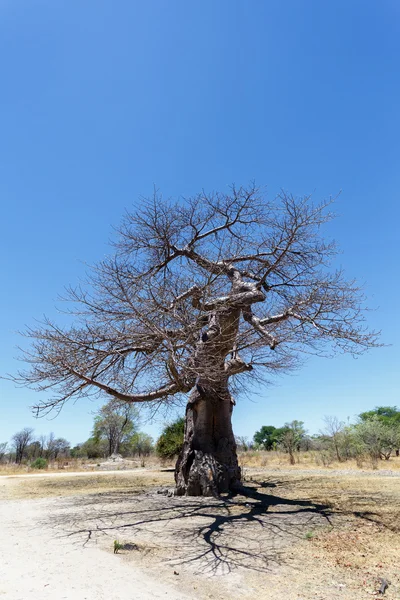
[(250, 530)]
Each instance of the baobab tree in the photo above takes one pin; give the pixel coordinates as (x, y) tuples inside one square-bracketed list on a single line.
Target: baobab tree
[(200, 297)]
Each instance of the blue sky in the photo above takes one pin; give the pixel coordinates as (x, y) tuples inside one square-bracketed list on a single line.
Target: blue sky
[(102, 100)]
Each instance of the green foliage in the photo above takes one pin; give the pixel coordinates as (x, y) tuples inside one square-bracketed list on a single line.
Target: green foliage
[(385, 414), (378, 437), (291, 434), (92, 448), (117, 546), (170, 442), (39, 463), (140, 444), (290, 437), (56, 447), (115, 423), (379, 431), (267, 437), (33, 451)]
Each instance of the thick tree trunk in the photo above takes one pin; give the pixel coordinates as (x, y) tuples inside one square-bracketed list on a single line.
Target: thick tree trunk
[(208, 465)]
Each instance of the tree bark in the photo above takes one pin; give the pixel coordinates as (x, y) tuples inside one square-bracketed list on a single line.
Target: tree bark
[(207, 464)]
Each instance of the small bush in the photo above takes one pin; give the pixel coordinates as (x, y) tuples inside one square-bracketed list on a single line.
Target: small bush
[(39, 463)]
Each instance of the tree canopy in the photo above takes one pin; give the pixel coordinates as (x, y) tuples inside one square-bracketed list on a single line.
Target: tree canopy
[(115, 423), (386, 414), (267, 436), (178, 264)]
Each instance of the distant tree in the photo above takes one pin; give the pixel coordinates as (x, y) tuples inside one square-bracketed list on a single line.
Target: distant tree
[(266, 437), (388, 415), (170, 442), (20, 441), (141, 444), (290, 438), (378, 437), (49, 447), (76, 451), (243, 443), (334, 430), (33, 450), (92, 448), (383, 413), (115, 422), (56, 447)]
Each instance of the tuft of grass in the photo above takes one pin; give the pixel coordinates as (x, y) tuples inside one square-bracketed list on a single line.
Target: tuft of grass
[(117, 546)]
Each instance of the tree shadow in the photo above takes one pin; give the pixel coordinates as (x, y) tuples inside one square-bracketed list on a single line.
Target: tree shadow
[(251, 529)]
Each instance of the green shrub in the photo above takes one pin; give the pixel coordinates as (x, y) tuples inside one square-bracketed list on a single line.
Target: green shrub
[(170, 442), (39, 463)]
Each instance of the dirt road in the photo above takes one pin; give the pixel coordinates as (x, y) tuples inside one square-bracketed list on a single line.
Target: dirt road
[(39, 563)]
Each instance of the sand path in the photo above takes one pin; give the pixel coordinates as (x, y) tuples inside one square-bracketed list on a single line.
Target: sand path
[(37, 563)]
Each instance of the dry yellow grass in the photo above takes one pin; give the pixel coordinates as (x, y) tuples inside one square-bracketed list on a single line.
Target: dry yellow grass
[(78, 465), (75, 465), (251, 459), (313, 460), (81, 484), (364, 543)]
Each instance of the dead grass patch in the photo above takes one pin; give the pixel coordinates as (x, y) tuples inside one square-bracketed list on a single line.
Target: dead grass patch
[(363, 544), (78, 485)]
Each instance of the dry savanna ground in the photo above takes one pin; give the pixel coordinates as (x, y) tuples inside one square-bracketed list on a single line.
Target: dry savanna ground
[(296, 533)]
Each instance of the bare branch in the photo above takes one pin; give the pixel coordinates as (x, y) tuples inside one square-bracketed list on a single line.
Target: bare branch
[(198, 292)]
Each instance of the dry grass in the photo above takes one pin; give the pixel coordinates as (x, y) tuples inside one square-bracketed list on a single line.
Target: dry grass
[(81, 484), (364, 543), (55, 466), (251, 459), (314, 460), (78, 465)]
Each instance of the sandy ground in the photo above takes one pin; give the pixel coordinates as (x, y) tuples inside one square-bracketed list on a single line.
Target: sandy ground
[(294, 536), (37, 563)]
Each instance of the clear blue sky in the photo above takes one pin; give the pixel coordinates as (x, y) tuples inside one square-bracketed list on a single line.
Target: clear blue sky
[(101, 100)]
